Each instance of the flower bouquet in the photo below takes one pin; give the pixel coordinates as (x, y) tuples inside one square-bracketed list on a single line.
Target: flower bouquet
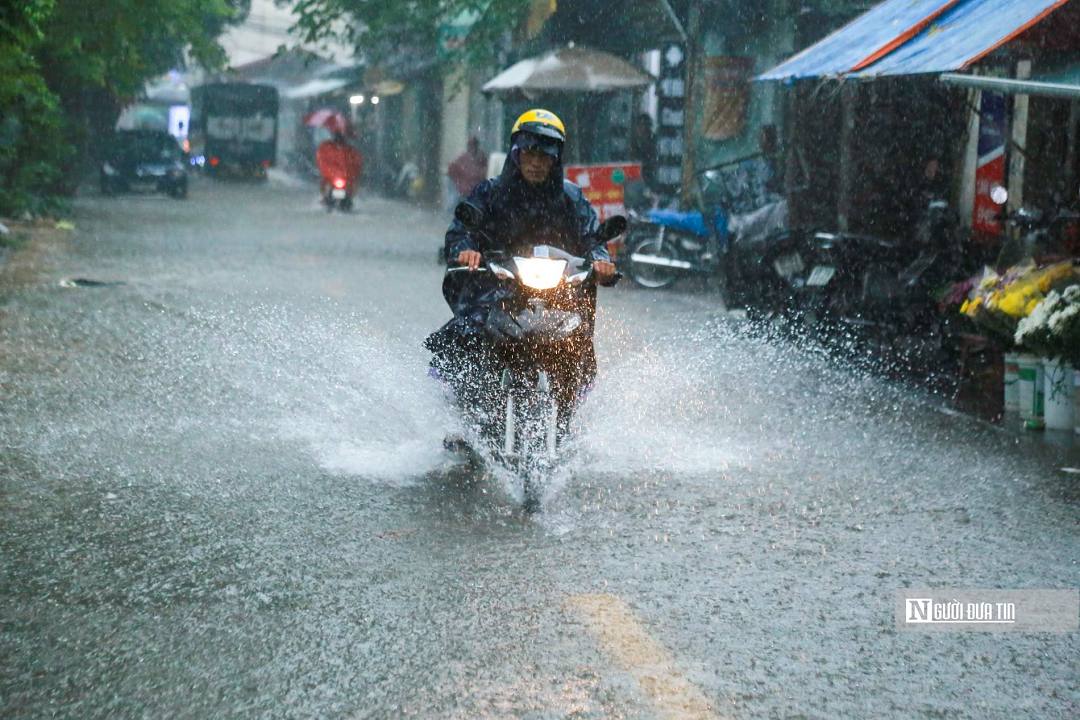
[(997, 303), (1052, 329)]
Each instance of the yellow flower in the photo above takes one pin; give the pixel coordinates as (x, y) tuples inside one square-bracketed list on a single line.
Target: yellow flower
[(964, 307), (1015, 302), (1052, 274), (1032, 304)]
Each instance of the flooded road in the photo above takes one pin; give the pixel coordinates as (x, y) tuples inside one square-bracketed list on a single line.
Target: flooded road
[(223, 494)]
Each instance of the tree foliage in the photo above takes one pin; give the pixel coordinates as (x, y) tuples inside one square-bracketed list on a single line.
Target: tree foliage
[(119, 44), (67, 66), (381, 30), (31, 140)]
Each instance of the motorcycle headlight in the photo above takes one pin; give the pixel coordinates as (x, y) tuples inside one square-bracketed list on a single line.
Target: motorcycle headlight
[(540, 273), (109, 169)]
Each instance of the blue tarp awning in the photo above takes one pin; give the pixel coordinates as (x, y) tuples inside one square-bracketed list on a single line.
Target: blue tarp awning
[(862, 40), (909, 37)]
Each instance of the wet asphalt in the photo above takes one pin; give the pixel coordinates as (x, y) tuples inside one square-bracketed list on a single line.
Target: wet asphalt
[(223, 495)]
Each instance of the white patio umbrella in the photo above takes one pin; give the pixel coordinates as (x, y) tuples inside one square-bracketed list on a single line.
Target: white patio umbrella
[(572, 69)]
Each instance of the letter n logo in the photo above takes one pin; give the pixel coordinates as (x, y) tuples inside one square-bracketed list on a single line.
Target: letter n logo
[(918, 610)]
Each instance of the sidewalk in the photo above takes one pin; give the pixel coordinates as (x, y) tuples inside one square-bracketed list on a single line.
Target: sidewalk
[(21, 246)]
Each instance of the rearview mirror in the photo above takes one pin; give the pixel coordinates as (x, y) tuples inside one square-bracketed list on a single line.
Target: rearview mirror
[(468, 215), (612, 228)]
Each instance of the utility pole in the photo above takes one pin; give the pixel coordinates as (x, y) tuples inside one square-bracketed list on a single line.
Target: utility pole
[(1018, 147), (847, 156), (693, 51)]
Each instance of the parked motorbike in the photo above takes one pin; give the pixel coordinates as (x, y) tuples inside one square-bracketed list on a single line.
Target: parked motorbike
[(665, 245), (858, 289), (521, 394), (1039, 234)]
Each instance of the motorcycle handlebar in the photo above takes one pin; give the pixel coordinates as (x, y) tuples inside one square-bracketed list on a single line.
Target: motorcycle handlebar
[(590, 276)]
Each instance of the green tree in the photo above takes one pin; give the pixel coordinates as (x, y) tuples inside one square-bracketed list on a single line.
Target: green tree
[(68, 66), (32, 145), (97, 56), (381, 30)]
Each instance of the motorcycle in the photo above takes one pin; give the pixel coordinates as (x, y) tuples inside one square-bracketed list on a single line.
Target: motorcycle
[(524, 380), (339, 165), (1041, 235), (337, 195), (852, 289), (666, 245)]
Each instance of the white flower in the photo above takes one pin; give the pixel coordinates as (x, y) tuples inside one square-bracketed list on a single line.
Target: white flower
[(1061, 318), (1039, 318)]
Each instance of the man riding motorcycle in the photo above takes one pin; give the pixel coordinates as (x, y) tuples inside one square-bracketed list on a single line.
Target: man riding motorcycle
[(528, 204)]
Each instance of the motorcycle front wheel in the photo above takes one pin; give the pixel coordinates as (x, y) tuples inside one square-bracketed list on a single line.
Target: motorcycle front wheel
[(531, 430), (648, 275)]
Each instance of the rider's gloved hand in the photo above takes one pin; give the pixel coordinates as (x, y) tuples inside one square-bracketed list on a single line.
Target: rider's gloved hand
[(603, 270), (471, 258)]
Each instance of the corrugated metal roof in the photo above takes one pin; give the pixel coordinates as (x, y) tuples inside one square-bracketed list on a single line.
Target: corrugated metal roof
[(963, 34), (863, 40)]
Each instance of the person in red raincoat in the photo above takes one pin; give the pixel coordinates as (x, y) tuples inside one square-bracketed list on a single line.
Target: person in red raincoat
[(337, 159)]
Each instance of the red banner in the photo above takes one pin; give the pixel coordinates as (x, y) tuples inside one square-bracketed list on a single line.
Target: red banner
[(989, 175), (990, 171), (603, 185)]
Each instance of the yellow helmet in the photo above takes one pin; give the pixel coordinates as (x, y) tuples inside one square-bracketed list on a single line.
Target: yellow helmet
[(540, 122)]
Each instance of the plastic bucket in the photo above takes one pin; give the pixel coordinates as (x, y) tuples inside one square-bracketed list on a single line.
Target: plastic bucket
[(1031, 387), (1012, 382), (1059, 392)]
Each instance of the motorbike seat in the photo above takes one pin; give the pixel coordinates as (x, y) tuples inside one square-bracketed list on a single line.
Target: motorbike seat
[(691, 222)]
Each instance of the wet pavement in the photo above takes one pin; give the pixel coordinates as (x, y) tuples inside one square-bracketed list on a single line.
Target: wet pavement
[(223, 494)]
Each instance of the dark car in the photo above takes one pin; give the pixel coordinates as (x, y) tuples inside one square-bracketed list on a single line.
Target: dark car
[(144, 160)]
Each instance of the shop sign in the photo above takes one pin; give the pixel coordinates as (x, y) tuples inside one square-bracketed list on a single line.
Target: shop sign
[(990, 171), (603, 184)]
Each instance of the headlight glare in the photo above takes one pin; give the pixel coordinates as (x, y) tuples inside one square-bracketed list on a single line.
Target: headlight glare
[(540, 273)]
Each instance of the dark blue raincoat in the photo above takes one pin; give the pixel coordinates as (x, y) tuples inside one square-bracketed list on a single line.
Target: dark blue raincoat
[(517, 215)]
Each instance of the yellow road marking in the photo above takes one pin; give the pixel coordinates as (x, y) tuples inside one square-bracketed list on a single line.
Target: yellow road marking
[(649, 662)]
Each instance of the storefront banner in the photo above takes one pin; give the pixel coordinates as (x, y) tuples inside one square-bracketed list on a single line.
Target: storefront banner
[(603, 184), (990, 171), (727, 96)]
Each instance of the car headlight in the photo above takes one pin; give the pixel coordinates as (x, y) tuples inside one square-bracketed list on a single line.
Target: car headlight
[(109, 169), (540, 273)]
